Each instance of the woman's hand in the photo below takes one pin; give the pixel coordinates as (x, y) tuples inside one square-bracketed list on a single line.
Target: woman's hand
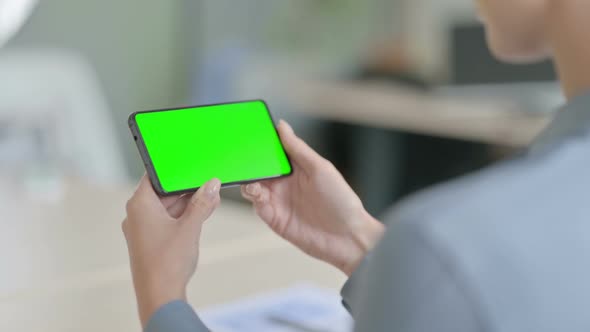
[(315, 209), (163, 241)]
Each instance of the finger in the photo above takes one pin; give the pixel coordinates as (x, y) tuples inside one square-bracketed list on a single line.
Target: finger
[(177, 209), (124, 227), (297, 149), (256, 192), (166, 201), (246, 194), (145, 198), (202, 204), (251, 191), (259, 195), (266, 184), (170, 200), (145, 190)]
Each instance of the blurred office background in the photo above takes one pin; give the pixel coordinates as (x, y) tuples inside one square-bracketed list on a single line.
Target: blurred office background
[(398, 94)]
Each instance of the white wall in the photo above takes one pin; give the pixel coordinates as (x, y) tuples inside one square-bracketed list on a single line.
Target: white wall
[(137, 47), (335, 30)]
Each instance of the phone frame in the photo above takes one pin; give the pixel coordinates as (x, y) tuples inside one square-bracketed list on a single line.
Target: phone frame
[(147, 160)]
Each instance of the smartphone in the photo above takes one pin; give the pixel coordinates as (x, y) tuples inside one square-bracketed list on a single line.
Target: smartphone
[(183, 148)]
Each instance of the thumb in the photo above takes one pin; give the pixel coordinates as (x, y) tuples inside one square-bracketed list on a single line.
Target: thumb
[(202, 204), (297, 149)]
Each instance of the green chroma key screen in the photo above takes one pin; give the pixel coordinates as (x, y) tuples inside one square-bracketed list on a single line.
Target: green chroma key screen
[(232, 142)]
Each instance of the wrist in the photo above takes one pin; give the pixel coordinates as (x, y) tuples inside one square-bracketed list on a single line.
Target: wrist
[(151, 297), (365, 236)]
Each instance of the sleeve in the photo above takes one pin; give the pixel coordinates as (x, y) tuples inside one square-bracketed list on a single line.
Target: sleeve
[(352, 284), (176, 316), (408, 286)]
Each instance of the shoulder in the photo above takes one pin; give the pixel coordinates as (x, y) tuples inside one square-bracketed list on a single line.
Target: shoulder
[(555, 178), (506, 214), (504, 232)]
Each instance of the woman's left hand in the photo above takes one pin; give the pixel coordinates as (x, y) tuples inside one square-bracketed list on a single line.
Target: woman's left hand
[(163, 241)]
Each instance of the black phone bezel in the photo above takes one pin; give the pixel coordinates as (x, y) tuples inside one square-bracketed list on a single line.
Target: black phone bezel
[(147, 161)]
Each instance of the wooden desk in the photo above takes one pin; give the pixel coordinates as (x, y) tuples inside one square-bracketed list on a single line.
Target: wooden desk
[(396, 107), (65, 268)]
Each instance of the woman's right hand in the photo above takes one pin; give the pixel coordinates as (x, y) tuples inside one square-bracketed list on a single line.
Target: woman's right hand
[(315, 209)]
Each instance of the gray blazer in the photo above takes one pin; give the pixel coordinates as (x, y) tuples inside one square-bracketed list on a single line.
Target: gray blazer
[(506, 249)]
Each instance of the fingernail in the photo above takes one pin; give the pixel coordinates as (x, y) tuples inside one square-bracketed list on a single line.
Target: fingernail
[(252, 188), (212, 188)]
